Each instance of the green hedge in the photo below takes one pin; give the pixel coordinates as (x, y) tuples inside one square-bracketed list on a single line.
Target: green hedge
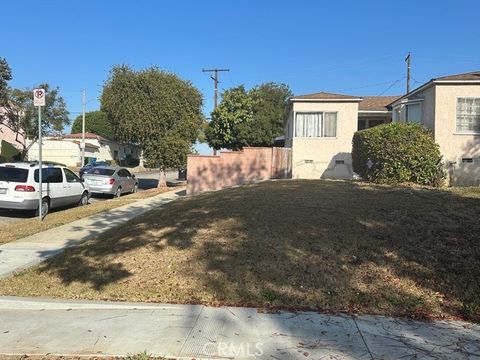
[(397, 153)]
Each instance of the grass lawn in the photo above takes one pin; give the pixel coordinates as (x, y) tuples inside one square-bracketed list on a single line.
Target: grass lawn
[(57, 217), (324, 245)]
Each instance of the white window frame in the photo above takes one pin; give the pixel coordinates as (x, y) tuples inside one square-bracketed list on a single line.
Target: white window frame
[(456, 116), (294, 132)]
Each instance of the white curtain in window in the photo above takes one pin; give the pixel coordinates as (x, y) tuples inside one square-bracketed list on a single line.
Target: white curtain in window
[(308, 124), (468, 114), (330, 127)]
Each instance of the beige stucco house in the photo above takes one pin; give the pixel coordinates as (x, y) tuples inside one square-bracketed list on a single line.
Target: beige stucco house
[(67, 150), (450, 106), (319, 129)]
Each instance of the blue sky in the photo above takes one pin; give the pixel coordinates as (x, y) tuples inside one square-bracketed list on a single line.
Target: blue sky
[(355, 47)]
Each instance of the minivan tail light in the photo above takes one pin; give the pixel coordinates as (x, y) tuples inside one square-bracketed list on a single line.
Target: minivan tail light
[(25, 188), (111, 181)]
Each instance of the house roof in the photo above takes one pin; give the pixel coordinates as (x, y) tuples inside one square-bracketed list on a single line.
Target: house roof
[(86, 144), (376, 103), (87, 136), (474, 75), (467, 78), (324, 96)]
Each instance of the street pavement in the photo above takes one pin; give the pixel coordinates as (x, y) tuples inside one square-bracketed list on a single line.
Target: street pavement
[(20, 254), (57, 327), (146, 180)]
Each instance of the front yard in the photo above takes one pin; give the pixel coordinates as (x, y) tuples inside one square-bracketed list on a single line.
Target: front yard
[(326, 245)]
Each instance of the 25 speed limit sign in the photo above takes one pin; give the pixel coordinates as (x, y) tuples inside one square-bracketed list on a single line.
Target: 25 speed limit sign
[(39, 97)]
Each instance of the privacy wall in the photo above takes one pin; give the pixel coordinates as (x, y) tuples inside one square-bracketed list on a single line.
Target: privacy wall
[(207, 173)]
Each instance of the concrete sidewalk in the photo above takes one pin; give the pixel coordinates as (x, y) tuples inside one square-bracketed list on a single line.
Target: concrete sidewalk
[(20, 254), (41, 326)]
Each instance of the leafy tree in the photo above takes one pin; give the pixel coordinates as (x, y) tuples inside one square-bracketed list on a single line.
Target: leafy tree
[(248, 118), (155, 109), (95, 122), (5, 76), (231, 120), (21, 115)]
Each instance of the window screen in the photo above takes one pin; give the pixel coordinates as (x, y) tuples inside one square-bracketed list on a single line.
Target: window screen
[(468, 115)]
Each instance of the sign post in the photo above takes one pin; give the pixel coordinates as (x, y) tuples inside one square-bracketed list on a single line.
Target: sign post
[(39, 100)]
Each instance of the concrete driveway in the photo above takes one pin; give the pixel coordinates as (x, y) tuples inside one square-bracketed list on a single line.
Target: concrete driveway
[(146, 180)]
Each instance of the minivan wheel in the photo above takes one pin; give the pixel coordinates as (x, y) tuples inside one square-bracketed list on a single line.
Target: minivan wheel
[(45, 208), (83, 200), (118, 193)]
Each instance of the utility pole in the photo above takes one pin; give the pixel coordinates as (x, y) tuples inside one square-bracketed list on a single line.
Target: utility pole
[(82, 144), (409, 69), (215, 83)]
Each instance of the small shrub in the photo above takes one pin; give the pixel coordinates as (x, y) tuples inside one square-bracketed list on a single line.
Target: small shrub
[(397, 153)]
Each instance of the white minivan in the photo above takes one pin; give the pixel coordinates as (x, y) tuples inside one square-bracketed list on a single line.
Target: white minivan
[(60, 187)]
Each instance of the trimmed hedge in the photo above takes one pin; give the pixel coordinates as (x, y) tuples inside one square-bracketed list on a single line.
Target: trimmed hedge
[(397, 153)]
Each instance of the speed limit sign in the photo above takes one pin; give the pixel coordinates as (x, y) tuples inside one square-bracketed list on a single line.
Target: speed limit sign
[(39, 97)]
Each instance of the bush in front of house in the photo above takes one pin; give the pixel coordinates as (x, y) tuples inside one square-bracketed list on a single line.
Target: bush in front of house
[(397, 153)]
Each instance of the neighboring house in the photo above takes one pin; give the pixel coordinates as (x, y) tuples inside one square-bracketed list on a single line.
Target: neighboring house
[(67, 150), (450, 106), (17, 139), (319, 129)]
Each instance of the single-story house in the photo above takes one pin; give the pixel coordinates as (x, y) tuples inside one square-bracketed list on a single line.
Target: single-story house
[(67, 149), (450, 107), (319, 127)]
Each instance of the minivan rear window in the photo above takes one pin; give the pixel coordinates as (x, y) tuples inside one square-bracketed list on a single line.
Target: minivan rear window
[(100, 171), (13, 174)]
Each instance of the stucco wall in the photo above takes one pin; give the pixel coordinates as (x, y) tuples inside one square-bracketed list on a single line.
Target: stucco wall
[(314, 158), (64, 152), (454, 146), (206, 173)]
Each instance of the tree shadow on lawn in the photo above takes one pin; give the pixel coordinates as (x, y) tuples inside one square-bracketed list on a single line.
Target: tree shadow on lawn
[(322, 245)]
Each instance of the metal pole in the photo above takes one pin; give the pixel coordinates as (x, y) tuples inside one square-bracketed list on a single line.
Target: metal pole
[(409, 68), (82, 145), (40, 188)]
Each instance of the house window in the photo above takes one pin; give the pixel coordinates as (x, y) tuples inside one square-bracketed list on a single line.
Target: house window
[(414, 113), (321, 124), (396, 114), (468, 115)]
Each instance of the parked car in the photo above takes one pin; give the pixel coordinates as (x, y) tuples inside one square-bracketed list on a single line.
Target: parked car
[(91, 165), (110, 180), (19, 187)]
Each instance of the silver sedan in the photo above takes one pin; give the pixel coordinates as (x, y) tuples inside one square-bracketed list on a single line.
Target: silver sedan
[(110, 180)]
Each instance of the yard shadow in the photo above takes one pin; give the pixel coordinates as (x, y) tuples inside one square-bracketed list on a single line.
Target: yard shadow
[(320, 245)]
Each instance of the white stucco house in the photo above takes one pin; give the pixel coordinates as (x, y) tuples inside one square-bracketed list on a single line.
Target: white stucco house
[(67, 150), (319, 127)]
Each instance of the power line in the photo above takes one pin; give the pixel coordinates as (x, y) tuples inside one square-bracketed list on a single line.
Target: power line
[(391, 86)]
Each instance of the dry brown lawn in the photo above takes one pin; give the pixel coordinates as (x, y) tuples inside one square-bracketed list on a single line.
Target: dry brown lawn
[(325, 245), (26, 227)]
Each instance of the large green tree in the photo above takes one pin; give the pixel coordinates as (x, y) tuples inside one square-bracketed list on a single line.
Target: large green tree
[(5, 76), (95, 122), (248, 118), (21, 116), (231, 120), (155, 109)]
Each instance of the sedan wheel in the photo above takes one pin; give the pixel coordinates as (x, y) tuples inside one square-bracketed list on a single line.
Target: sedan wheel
[(118, 193)]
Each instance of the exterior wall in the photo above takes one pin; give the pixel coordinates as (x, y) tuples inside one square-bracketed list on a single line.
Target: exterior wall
[(314, 158), (206, 173), (64, 152), (454, 146), (10, 136)]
